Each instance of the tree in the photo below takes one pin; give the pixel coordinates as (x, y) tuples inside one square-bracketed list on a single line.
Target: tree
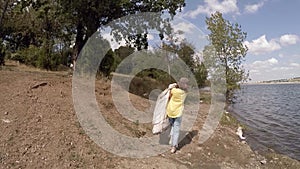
[(186, 52), (200, 73), (49, 27), (4, 8), (107, 64), (36, 34), (87, 16), (227, 40)]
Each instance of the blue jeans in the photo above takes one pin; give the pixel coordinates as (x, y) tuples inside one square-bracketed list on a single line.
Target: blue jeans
[(175, 130)]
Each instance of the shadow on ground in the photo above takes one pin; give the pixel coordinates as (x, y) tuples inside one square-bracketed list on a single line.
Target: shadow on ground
[(185, 137)]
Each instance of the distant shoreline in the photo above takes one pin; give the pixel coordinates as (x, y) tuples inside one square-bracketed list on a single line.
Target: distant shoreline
[(272, 83)]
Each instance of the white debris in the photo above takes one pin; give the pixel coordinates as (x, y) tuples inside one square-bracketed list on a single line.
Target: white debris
[(263, 161), (6, 120), (239, 132)]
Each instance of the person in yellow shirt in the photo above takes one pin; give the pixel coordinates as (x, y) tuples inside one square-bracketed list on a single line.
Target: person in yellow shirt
[(175, 109)]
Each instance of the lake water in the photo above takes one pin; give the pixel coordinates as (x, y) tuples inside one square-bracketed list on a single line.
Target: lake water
[(272, 115)]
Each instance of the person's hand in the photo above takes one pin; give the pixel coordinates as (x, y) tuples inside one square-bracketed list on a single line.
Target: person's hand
[(172, 85)]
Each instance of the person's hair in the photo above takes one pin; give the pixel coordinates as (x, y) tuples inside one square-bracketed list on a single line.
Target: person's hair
[(182, 82)]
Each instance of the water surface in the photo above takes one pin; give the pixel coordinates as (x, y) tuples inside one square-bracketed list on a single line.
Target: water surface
[(272, 115)]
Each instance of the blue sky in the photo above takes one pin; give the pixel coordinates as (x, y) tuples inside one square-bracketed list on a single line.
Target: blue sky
[(273, 32)]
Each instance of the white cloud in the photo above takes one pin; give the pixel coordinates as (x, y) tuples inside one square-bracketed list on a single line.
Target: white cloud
[(113, 43), (261, 45), (272, 61), (289, 39), (264, 64), (258, 68), (184, 27), (281, 55), (211, 6), (295, 64), (181, 32), (254, 7), (150, 36), (272, 69), (282, 68)]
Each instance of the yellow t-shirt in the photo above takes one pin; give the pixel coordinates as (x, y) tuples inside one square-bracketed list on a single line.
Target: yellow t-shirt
[(176, 103)]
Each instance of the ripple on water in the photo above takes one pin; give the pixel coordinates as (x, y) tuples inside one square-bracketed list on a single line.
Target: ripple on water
[(272, 115)]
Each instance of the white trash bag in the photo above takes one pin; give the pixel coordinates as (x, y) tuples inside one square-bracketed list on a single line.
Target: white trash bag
[(160, 119)]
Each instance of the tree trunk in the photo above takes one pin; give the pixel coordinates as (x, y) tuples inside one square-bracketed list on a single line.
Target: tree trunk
[(79, 42), (3, 11), (226, 77), (81, 38)]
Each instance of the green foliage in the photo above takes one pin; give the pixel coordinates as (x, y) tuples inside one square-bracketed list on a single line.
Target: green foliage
[(2, 54), (38, 57), (227, 51), (205, 97), (200, 73), (162, 77), (124, 51), (4, 30), (230, 120), (107, 63), (36, 31), (120, 54), (186, 53), (85, 17), (28, 56), (47, 24)]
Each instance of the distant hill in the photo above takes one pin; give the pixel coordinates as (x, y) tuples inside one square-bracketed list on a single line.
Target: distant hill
[(297, 79), (292, 80)]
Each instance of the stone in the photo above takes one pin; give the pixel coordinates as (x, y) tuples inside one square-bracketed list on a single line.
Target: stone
[(263, 161)]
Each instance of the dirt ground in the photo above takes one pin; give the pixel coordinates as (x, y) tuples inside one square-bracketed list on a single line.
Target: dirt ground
[(39, 129)]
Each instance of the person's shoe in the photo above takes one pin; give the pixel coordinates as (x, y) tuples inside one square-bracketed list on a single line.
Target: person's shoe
[(173, 149)]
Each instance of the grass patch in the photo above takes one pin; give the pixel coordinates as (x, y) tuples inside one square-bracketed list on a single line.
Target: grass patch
[(135, 131), (231, 121), (75, 157), (137, 122), (205, 97)]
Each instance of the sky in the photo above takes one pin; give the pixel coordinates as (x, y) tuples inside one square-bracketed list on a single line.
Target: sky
[(273, 32)]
